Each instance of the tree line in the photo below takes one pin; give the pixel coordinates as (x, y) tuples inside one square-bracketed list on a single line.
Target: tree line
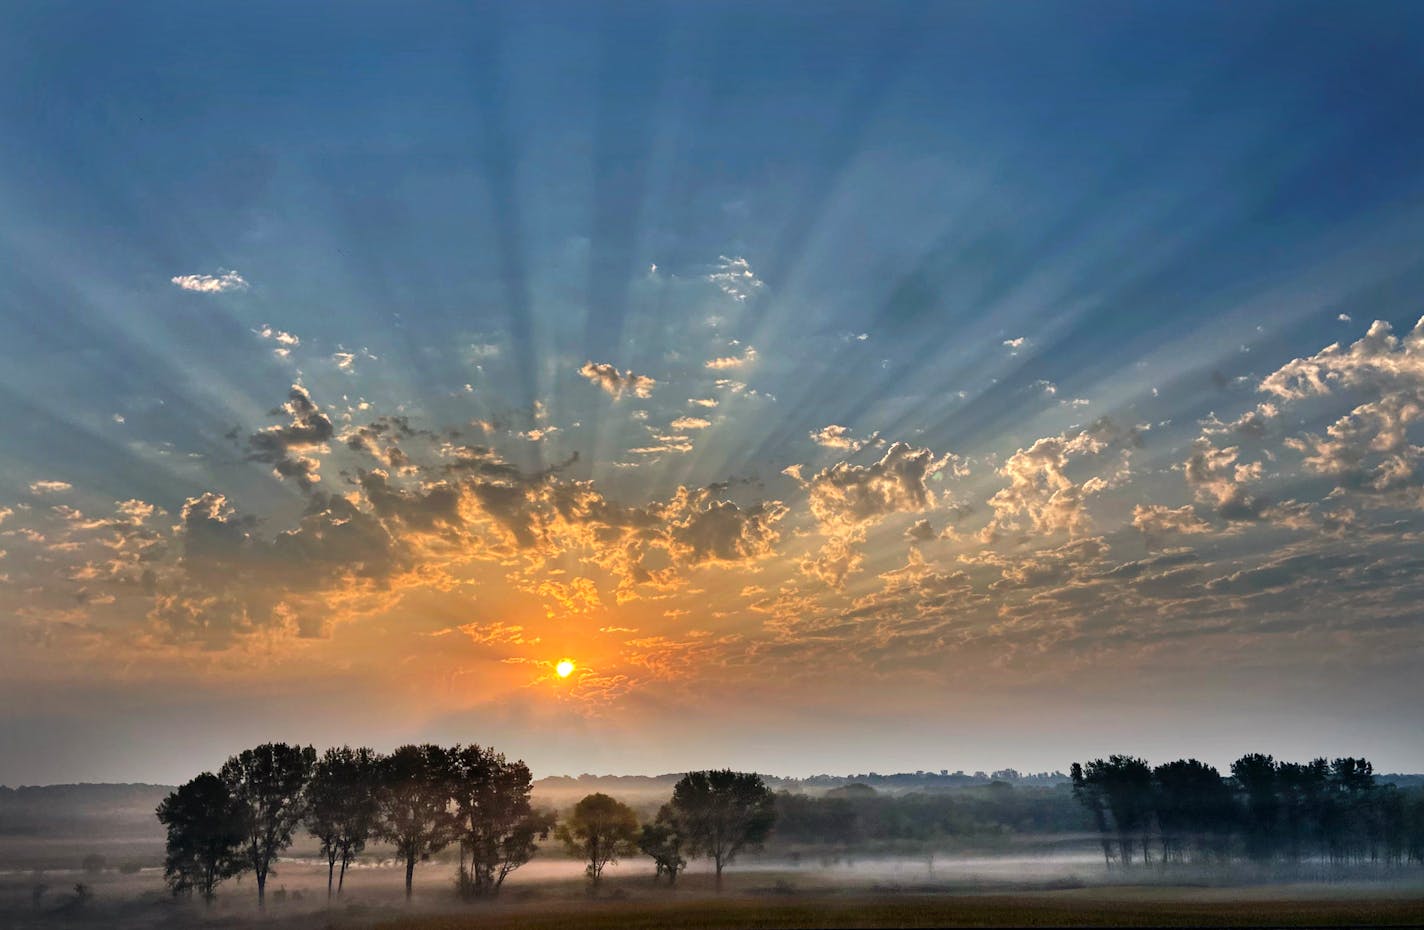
[(859, 816), (1265, 810), (422, 799)]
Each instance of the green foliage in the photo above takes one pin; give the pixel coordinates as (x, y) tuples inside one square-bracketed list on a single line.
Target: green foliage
[(494, 823), (341, 806), (600, 830), (980, 815), (413, 803), (663, 841), (1267, 810), (206, 830), (268, 783), (723, 812)]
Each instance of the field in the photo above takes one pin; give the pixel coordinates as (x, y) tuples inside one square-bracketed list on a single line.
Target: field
[(551, 895), (1042, 881)]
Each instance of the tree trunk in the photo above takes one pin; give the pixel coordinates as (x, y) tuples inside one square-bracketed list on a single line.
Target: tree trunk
[(409, 874), (341, 879), (330, 874), (719, 875), (262, 888)]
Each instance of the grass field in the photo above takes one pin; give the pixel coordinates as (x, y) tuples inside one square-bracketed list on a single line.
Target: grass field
[(552, 896), (1103, 908)]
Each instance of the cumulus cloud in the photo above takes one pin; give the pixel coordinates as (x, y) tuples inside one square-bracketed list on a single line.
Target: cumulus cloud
[(749, 355), (845, 496), (1041, 496), (285, 340), (616, 383), (839, 437), (1156, 521), (702, 401), (1217, 477), (735, 278), (49, 487), (685, 423), (287, 447), (703, 528), (224, 280), (1367, 450)]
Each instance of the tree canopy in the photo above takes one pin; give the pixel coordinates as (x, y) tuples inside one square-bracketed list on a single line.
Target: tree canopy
[(600, 830), (722, 812)]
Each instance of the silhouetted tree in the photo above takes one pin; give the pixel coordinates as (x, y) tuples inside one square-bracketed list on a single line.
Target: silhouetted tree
[(268, 783), (414, 804), (662, 840), (495, 824), (1194, 808), (600, 829), (1092, 796), (1255, 774), (206, 831), (1126, 786), (1349, 833), (722, 812), (1304, 796), (341, 807)]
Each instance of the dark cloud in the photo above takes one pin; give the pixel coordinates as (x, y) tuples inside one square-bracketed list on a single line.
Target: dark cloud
[(284, 447)]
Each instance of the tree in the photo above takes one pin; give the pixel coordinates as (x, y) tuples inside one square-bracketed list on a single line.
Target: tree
[(1256, 775), (1125, 783), (413, 804), (1090, 794), (268, 783), (206, 831), (600, 829), (662, 840), (341, 807), (495, 824), (1194, 808), (723, 812)]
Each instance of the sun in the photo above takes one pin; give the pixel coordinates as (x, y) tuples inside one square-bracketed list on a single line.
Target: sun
[(565, 668)]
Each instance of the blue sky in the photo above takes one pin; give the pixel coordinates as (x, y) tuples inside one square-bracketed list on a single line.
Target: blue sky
[(967, 228)]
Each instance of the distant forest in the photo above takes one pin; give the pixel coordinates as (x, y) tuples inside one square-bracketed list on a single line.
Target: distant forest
[(470, 805)]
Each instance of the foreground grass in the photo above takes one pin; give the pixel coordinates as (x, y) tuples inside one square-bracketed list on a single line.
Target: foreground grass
[(1099, 909)]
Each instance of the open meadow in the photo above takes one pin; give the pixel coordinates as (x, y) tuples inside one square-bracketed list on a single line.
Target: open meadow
[(551, 894)]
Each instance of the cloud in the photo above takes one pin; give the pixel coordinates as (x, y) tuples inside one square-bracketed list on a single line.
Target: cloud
[(702, 401), (285, 340), (283, 446), (839, 437), (1216, 477), (702, 528), (684, 423), (615, 382), (844, 496), (1041, 496), (748, 356), (735, 278), (224, 280), (492, 634), (50, 487), (920, 531), (1156, 520)]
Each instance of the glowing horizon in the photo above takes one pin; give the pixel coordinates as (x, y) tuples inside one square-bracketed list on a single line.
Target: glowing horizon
[(944, 388)]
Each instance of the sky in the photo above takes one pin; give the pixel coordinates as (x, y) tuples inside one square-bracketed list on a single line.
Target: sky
[(838, 387)]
